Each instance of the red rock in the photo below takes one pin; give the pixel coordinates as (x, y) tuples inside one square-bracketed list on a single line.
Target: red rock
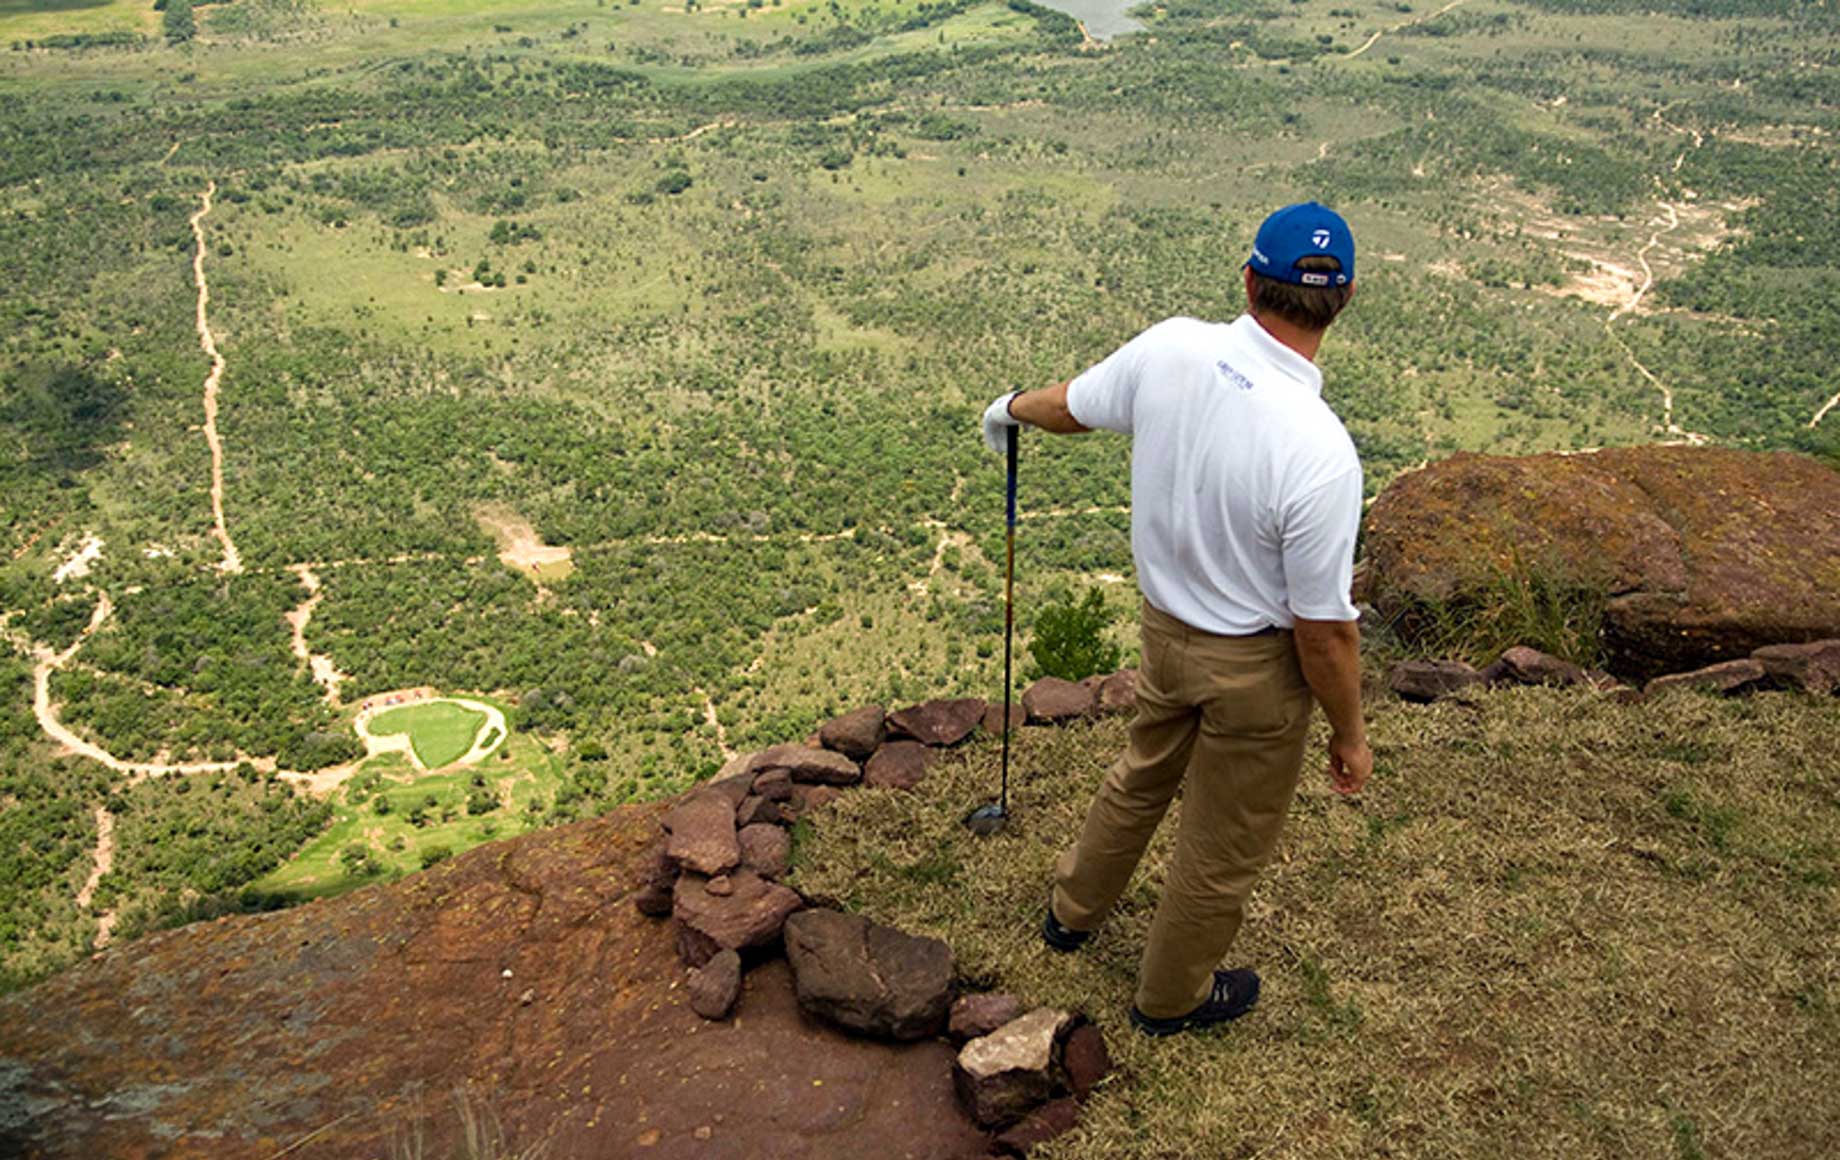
[(1003, 1075), (1427, 681), (1813, 667), (775, 785), (719, 886), (855, 734), (702, 832), (716, 985), (1085, 1059), (1118, 693), (869, 978), (1699, 555), (980, 1014), (1729, 678), (898, 765), (818, 796), (1530, 666), (659, 877), (750, 915), (1053, 701), (766, 850), (1054, 1118), (352, 1000), (937, 722), (810, 766), (993, 718), (756, 810)]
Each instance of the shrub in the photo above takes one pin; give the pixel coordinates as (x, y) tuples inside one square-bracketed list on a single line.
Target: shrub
[(1069, 639)]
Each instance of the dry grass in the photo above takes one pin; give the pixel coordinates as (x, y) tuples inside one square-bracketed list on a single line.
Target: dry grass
[(1554, 927)]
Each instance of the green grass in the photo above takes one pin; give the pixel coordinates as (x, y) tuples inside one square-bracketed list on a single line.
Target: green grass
[(440, 732), (519, 773), (1532, 937)]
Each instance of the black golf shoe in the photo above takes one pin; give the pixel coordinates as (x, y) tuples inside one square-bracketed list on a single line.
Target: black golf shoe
[(1233, 995), (1061, 938)]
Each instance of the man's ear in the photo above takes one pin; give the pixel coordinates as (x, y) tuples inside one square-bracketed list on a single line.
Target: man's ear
[(1252, 301)]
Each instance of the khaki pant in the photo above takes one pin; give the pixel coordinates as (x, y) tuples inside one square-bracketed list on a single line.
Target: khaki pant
[(1230, 715)]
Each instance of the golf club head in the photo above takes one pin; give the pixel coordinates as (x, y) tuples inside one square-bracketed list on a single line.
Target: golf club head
[(986, 820)]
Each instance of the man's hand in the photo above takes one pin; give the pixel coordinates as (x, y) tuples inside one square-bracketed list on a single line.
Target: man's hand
[(1350, 765), (998, 421)]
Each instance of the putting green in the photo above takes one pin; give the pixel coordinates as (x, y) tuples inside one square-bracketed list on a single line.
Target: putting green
[(440, 732)]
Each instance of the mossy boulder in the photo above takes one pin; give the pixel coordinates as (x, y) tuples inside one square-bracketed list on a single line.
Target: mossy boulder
[(1698, 555)]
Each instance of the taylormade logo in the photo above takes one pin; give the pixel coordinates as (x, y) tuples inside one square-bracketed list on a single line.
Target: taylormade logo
[(1232, 376), (1321, 238), (1258, 256)]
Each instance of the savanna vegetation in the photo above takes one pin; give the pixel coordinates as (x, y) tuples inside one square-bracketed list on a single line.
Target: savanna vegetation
[(712, 298)]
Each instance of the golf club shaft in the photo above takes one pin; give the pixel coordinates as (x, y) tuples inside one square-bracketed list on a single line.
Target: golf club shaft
[(1009, 609)]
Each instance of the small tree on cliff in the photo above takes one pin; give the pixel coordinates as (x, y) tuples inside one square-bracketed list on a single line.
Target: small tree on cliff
[(1069, 639)]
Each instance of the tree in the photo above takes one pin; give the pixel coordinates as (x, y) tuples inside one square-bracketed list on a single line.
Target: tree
[(357, 861), (178, 23), (1069, 639)]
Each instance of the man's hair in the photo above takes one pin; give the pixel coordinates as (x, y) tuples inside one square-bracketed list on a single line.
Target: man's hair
[(1311, 307)]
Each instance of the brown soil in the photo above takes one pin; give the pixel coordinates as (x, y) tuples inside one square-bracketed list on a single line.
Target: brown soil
[(518, 973), (521, 548)]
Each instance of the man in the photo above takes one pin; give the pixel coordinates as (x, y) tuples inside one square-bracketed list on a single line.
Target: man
[(1245, 500)]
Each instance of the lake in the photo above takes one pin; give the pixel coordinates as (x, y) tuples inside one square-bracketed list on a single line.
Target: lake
[(1103, 19)]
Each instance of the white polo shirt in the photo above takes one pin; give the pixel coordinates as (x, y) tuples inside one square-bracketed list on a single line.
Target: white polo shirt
[(1245, 488)]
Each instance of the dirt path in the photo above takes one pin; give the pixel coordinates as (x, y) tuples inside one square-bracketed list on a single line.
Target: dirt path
[(692, 134), (715, 722), (105, 862), (46, 711), (1375, 38), (1674, 432), (232, 562), (325, 673)]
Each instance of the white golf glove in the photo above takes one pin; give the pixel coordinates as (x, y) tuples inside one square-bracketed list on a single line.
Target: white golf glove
[(998, 421)]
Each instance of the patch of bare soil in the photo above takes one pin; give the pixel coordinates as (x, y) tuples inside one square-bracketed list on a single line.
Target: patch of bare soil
[(521, 548)]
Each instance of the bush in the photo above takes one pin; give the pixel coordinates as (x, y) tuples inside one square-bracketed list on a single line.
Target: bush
[(177, 22), (1069, 639), (358, 862)]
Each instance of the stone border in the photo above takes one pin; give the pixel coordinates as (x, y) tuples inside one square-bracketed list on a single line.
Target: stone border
[(716, 873), (1812, 667)]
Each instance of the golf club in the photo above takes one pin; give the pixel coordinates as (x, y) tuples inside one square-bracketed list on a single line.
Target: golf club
[(990, 817)]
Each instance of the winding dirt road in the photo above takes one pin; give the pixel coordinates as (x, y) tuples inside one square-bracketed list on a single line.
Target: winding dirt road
[(45, 710), (325, 673), (1673, 430), (1403, 24), (232, 561), (1822, 413)]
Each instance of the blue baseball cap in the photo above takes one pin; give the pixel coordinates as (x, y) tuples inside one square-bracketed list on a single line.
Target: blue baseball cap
[(1299, 231)]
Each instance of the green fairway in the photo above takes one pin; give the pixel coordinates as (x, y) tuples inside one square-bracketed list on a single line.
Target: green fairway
[(390, 819), (440, 732)]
